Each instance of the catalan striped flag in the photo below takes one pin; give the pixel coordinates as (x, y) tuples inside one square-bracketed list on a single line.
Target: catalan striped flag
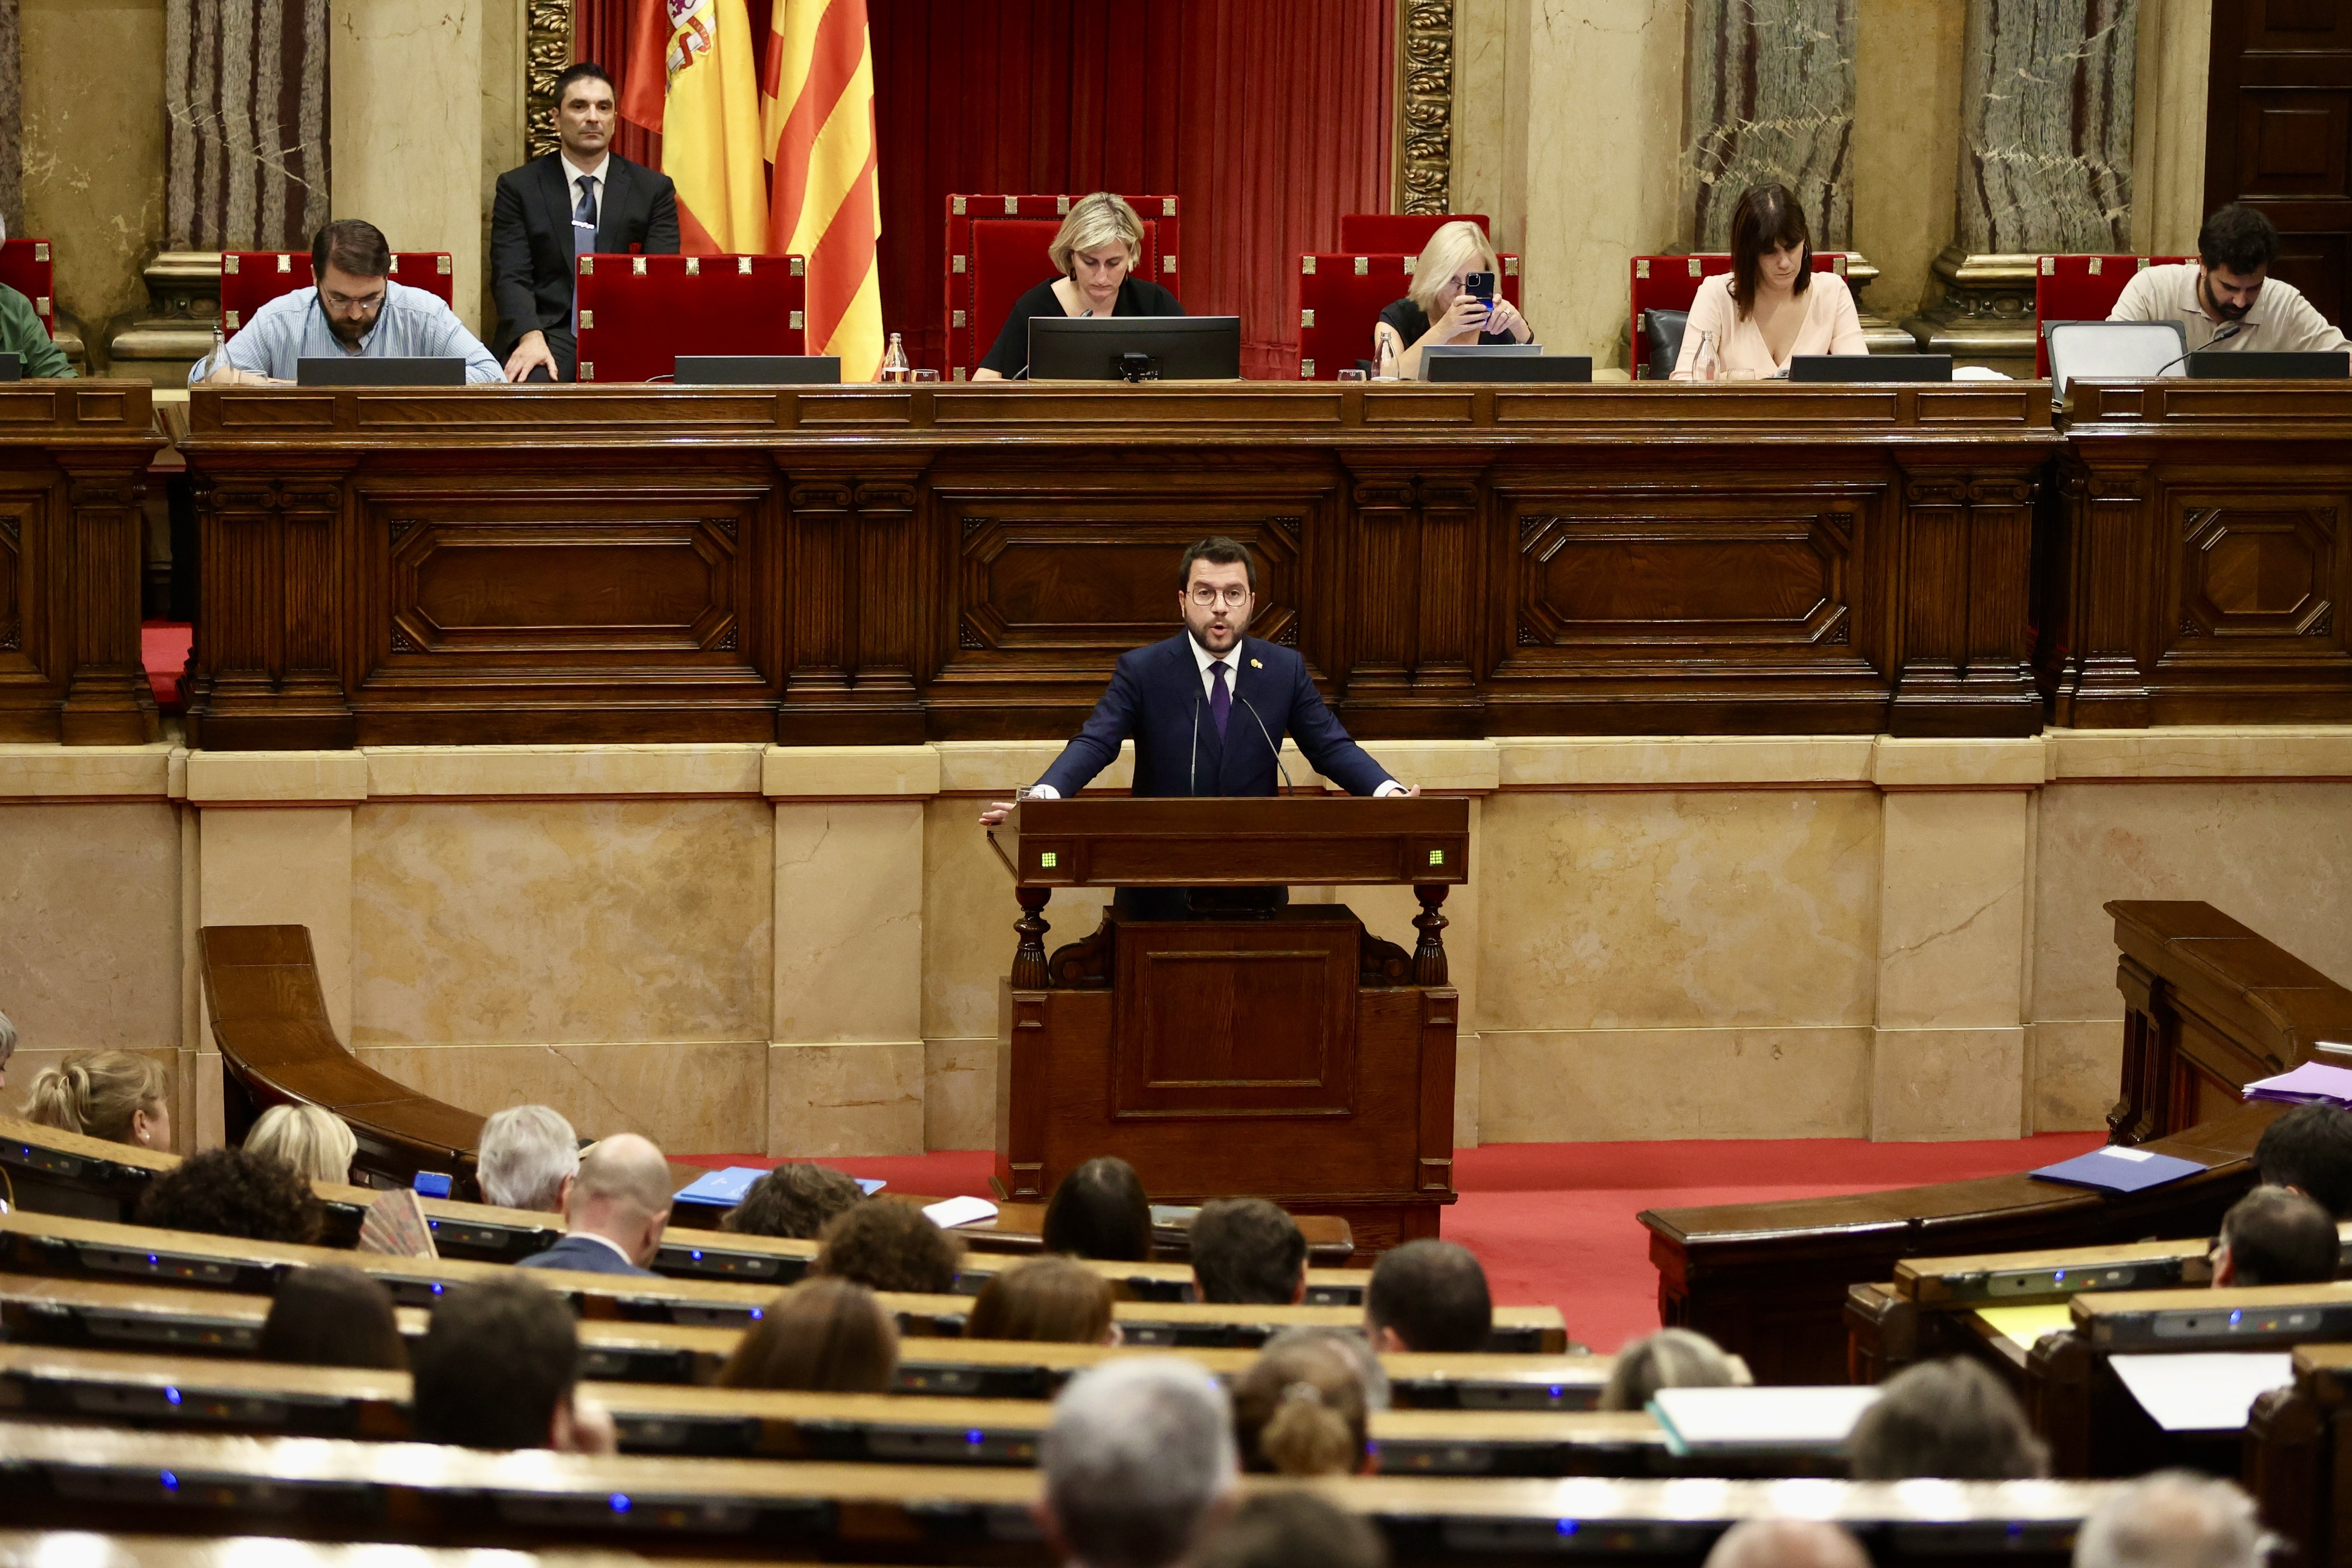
[(816, 114), (690, 77)]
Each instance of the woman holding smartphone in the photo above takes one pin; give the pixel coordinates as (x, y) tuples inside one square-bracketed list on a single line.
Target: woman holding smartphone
[(1444, 306)]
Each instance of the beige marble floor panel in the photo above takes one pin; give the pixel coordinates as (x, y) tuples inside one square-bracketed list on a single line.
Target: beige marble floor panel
[(2277, 856), (1566, 1085), (689, 1096), (1942, 1083), (968, 916), (1678, 909), (496, 921), (89, 925), (2077, 1073), (864, 1098), (960, 1093), (849, 920)]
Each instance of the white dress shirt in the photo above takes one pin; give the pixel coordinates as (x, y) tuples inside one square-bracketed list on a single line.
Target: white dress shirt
[(2280, 320), (572, 172)]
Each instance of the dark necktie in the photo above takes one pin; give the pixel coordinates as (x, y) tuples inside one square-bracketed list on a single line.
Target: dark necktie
[(1220, 701), (583, 237)]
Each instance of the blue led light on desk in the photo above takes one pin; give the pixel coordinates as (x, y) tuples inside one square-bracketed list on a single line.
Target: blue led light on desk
[(171, 1396), (171, 1481), (620, 1503)]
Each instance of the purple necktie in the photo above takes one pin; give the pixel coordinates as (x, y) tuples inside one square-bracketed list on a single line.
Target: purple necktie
[(1220, 701)]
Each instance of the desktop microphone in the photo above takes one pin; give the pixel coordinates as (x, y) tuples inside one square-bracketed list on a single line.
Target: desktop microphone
[(1193, 783), (2223, 336), (1270, 745)]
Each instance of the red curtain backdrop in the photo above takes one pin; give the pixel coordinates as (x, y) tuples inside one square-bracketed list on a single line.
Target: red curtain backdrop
[(1269, 121)]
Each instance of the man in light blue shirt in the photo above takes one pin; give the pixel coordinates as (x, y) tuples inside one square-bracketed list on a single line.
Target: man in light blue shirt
[(355, 310)]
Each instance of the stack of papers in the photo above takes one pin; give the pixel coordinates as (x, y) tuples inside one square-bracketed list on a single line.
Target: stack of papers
[(2113, 1169), (2206, 1393), (2312, 1081), (1816, 1420)]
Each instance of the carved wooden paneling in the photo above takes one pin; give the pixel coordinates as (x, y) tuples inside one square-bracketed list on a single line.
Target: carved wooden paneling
[(1086, 583), (2278, 134), (2248, 570), (13, 515), (1658, 580), (506, 587)]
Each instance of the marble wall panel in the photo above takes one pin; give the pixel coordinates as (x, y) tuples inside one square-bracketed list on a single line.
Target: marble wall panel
[(1544, 1086), (689, 1096), (2047, 108), (246, 107), (968, 916), (1768, 95), (563, 922), (2176, 52), (285, 866), (849, 920), (1907, 121), (2074, 1074), (1944, 1083), (1676, 910), (840, 1100), (89, 928), (94, 147), (1952, 909), (960, 1093)]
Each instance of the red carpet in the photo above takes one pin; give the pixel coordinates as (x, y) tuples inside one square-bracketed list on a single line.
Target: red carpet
[(164, 649), (1554, 1222)]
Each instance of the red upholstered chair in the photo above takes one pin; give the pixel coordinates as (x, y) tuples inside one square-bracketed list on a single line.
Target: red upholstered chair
[(2081, 289), (24, 267), (252, 278), (1397, 233), (638, 313), (996, 253), (1340, 298), (1671, 283)]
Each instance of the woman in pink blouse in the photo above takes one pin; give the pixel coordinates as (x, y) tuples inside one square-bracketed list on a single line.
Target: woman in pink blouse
[(1772, 305)]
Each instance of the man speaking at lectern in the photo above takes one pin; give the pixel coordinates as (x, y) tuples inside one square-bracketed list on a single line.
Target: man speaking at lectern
[(1207, 709)]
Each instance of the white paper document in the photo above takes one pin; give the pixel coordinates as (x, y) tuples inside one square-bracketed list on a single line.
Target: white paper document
[(950, 1212), (1811, 1418), (2203, 1393)]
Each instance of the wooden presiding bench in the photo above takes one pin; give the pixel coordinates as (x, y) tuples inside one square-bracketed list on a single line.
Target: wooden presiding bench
[(267, 1398), (324, 1488), (171, 1321)]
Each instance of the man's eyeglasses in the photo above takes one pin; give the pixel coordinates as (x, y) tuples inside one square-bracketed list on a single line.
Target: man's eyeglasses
[(344, 304), (1207, 598)]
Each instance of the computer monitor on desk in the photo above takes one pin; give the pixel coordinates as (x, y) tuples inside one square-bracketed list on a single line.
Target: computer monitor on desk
[(438, 370), (1502, 363), (1135, 348), (2257, 365)]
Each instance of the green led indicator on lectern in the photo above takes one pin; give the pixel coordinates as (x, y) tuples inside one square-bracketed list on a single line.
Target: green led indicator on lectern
[(1047, 860), (1437, 857)]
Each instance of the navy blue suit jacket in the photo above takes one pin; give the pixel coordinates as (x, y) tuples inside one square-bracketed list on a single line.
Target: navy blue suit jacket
[(1155, 698), (583, 1256)]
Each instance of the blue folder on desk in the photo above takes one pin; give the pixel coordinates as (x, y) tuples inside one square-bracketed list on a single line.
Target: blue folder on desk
[(725, 1189), (2113, 1169)]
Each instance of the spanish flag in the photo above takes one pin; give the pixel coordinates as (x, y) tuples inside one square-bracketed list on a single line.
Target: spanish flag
[(817, 117), (690, 79)]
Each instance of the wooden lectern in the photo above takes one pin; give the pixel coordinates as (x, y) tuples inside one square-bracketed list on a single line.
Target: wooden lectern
[(1286, 1054)]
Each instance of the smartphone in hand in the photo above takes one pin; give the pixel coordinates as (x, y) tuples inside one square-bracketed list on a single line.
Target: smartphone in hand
[(1480, 286)]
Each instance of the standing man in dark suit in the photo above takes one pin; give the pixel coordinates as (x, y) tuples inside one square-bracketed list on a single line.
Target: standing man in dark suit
[(1207, 709), (614, 1210), (584, 198)]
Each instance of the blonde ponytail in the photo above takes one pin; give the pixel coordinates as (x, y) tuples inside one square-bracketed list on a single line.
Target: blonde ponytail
[(1304, 1436), (96, 1093), (1299, 1410)]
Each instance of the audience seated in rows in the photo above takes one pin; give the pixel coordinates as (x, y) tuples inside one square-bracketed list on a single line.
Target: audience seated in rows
[(1428, 1296), (2174, 1519), (1669, 1358), (2275, 1236), (1099, 1210), (822, 1336), (1300, 1409), (527, 1158), (1948, 1420), (2309, 1150), (614, 1210), (109, 1094), (795, 1202), (1137, 1464), (1052, 1301), (1294, 1529), (311, 1139), (1247, 1252), (234, 1191), (1787, 1543), (498, 1367), (889, 1247), (332, 1317)]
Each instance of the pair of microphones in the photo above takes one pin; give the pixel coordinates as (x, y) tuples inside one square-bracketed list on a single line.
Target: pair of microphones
[(1192, 782)]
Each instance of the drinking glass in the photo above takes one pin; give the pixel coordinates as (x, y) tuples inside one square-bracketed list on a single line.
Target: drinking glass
[(1352, 376)]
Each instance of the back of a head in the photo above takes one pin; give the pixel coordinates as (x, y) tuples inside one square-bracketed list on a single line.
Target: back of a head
[(494, 1366), (1669, 1358), (332, 1317), (1949, 1420), (1294, 1529), (795, 1202), (626, 1172), (2238, 237), (822, 1336), (1787, 1543), (234, 1192), (889, 1247), (2280, 1237), (1248, 1252), (2173, 1518), (2310, 1149), (313, 1140), (1099, 1210), (1432, 1294), (1140, 1449), (527, 1153), (1300, 1410), (1051, 1300), (95, 1093)]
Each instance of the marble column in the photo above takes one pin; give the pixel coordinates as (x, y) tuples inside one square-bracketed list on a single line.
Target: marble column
[(1768, 95), (246, 107), (11, 120)]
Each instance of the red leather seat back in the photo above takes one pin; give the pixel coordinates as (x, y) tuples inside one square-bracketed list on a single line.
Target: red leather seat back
[(24, 266), (638, 313), (252, 278), (2081, 289), (1397, 233), (1671, 283), (996, 253), (1340, 298)]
